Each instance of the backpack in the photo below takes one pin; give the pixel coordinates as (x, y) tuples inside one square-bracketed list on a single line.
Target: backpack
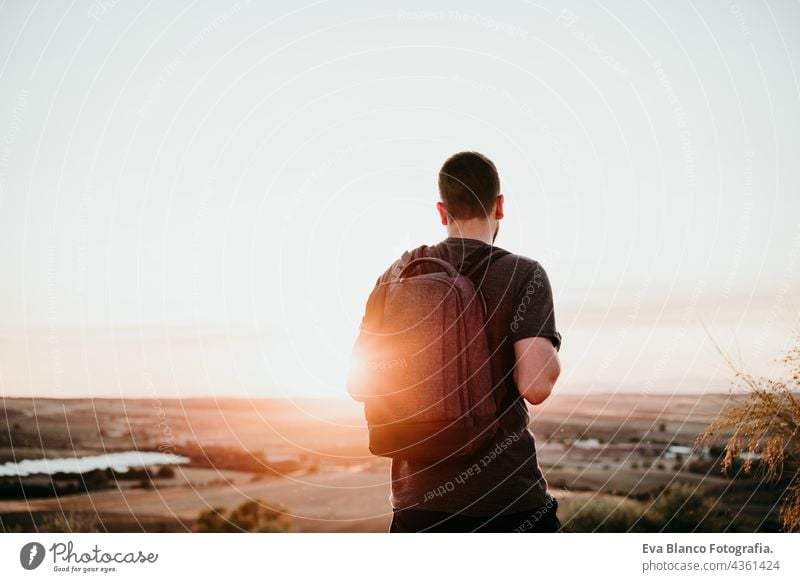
[(421, 363)]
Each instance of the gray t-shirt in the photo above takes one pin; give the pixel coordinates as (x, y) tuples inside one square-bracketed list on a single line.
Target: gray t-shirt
[(505, 477)]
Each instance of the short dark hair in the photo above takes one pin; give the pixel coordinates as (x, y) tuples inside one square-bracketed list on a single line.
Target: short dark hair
[(468, 185)]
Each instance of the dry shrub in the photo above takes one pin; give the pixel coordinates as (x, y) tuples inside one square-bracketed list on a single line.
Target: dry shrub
[(765, 425)]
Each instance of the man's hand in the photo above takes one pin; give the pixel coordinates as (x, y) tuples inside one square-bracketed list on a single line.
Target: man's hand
[(537, 368)]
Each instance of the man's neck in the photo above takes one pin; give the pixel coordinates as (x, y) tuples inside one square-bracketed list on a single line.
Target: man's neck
[(475, 229)]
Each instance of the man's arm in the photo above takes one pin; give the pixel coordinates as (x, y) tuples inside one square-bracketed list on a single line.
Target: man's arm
[(537, 368), (536, 339)]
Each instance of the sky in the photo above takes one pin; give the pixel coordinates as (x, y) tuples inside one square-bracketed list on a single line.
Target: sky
[(196, 197)]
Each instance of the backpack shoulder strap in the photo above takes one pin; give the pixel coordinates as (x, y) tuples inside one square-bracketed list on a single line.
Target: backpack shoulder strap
[(493, 255), (406, 258)]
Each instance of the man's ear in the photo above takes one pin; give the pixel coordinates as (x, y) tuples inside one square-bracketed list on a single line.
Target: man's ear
[(442, 213), (498, 208)]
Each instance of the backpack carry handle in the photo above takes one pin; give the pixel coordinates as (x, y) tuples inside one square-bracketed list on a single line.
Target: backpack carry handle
[(445, 266)]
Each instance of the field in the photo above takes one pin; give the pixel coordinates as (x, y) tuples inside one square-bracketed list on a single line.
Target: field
[(310, 457)]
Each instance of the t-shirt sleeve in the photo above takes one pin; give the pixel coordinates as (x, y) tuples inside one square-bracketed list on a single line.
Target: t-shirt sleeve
[(533, 313)]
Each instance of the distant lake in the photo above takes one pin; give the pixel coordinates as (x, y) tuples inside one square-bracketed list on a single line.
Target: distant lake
[(120, 462)]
